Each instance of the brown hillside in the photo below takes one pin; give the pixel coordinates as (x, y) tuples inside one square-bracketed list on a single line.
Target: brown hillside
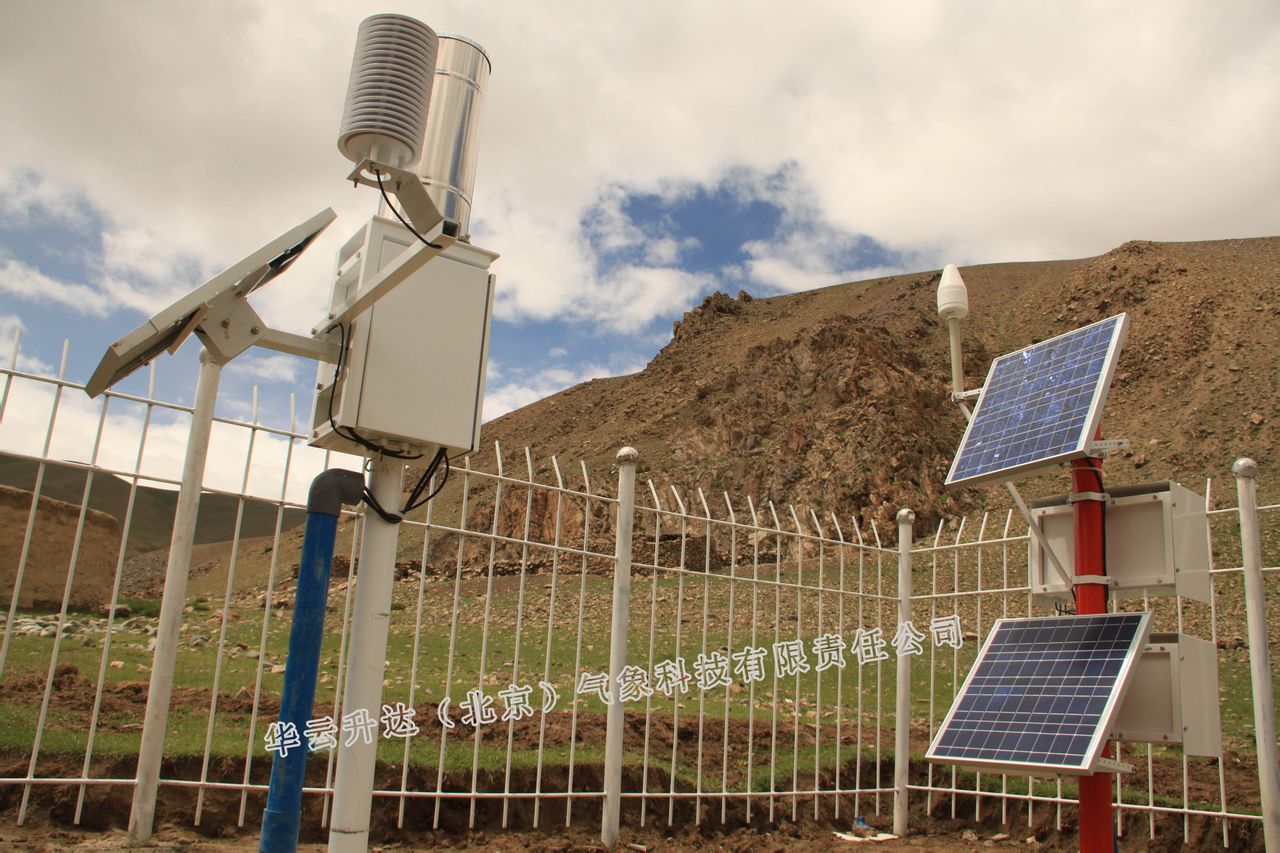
[(837, 398), (44, 576)]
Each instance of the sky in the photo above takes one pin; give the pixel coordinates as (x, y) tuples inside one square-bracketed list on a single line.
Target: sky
[(634, 158)]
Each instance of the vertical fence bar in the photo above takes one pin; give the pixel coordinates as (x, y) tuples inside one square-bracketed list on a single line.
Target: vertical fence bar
[(151, 751), (109, 630), (755, 621), (733, 577), (653, 629), (676, 690), (519, 628), (817, 690), (840, 551), (614, 728), (417, 644), (36, 491), (62, 613), (226, 614), (485, 631), (777, 640), (577, 652), (445, 723), (795, 706), (706, 617), (264, 634), (551, 621), (902, 723), (1255, 605)]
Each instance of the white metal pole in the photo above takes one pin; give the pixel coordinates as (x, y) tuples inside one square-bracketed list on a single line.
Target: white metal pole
[(614, 730), (151, 751), (902, 732), (957, 356), (1255, 606), (353, 786)]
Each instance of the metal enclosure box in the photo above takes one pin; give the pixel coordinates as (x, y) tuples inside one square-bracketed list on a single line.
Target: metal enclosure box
[(1174, 696), (413, 373), (1157, 537)]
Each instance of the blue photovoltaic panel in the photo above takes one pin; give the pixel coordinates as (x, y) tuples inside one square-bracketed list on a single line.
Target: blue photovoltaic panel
[(1042, 693), (1040, 405)]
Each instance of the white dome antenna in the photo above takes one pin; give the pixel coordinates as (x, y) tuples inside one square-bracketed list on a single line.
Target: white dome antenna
[(953, 298), (953, 306)]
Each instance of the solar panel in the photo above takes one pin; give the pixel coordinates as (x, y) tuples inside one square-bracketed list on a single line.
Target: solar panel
[(168, 329), (1040, 405), (1042, 694)]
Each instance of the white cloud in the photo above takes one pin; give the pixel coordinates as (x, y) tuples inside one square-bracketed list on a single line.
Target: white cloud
[(276, 367), (230, 464), (557, 352), (25, 197), (950, 131), (11, 329), (28, 283), (533, 385)]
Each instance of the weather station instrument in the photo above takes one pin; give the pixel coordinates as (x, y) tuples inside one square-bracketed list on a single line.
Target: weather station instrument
[(1046, 694), (402, 353)]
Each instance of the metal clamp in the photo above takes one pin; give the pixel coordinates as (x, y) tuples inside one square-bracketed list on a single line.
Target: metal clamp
[(1111, 765), (1102, 580), (1108, 445), (1077, 497)]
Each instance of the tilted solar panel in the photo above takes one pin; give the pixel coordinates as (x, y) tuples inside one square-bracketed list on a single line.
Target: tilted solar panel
[(1042, 694), (1040, 405)]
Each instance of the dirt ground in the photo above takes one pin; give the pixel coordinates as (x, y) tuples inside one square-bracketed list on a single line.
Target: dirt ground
[(44, 834), (50, 825)]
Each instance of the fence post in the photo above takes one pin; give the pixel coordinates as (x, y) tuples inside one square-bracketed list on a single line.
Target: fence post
[(902, 723), (1255, 606), (618, 644)]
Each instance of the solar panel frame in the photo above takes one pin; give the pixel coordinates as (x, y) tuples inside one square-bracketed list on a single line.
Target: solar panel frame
[(168, 329), (1099, 730), (1007, 393)]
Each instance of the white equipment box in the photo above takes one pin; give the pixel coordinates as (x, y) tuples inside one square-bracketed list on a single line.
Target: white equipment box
[(1174, 696), (412, 376), (1157, 537)]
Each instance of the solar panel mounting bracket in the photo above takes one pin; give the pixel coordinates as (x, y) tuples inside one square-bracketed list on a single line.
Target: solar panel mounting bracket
[(966, 395), (1103, 447), (1110, 765), (1101, 580), (1077, 497)]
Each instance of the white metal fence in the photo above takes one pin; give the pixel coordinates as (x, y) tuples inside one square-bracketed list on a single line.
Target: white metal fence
[(765, 646)]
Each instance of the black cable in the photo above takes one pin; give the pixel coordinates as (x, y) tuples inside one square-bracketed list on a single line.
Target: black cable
[(382, 189), (347, 433), (437, 489), (415, 495), (389, 518)]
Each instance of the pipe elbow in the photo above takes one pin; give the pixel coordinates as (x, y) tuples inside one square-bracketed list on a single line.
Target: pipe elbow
[(333, 488)]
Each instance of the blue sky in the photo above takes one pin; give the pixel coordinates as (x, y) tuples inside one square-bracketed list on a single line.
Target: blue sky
[(633, 159)]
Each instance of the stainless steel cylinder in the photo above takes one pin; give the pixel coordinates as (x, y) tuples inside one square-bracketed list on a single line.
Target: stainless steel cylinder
[(448, 164)]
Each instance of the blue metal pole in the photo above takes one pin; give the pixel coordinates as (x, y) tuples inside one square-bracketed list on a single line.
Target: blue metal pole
[(282, 819)]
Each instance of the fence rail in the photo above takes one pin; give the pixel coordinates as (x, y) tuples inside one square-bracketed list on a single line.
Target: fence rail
[(772, 661)]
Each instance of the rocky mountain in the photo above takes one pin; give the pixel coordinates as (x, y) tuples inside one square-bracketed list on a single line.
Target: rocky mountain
[(836, 398)]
